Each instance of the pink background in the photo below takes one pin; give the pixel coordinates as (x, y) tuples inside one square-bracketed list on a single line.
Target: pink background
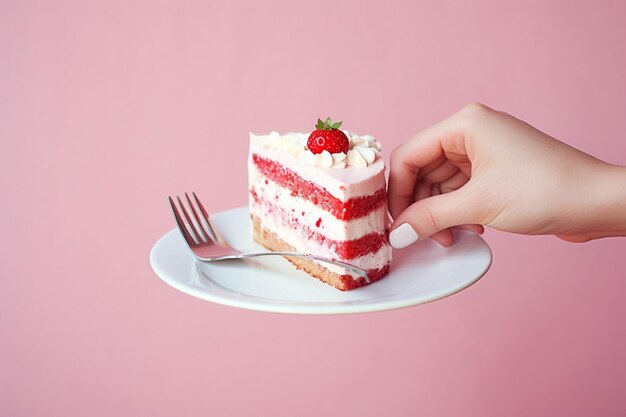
[(106, 107)]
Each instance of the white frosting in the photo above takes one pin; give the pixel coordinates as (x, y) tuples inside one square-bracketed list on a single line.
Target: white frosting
[(353, 181), (308, 213), (363, 150)]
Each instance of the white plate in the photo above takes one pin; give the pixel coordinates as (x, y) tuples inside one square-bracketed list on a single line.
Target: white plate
[(420, 273)]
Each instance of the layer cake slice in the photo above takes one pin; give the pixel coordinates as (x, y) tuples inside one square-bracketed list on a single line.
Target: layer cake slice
[(329, 204)]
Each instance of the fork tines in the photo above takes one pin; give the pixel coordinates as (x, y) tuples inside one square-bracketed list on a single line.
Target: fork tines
[(195, 224)]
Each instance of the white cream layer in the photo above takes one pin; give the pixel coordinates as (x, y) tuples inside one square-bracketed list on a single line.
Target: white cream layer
[(344, 184), (308, 213)]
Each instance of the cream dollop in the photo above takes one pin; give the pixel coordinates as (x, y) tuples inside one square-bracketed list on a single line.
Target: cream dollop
[(324, 159), (289, 143), (362, 152)]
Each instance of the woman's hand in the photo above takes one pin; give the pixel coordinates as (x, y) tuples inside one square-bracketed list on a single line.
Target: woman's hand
[(484, 167)]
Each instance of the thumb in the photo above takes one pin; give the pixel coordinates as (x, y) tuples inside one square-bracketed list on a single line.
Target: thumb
[(430, 215)]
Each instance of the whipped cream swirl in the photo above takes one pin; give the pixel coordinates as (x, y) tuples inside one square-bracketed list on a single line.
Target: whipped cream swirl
[(363, 150)]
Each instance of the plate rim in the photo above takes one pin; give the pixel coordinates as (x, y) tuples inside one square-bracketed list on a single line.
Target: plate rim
[(301, 308)]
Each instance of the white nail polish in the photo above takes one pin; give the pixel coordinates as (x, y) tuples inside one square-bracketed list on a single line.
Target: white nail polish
[(402, 236)]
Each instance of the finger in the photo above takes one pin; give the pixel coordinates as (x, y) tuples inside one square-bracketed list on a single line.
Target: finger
[(426, 217), (446, 175), (409, 158), (454, 182), (474, 228), (431, 166), (442, 173), (575, 237), (444, 237), (423, 189)]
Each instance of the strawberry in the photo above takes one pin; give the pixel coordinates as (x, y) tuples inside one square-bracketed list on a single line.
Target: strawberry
[(328, 137)]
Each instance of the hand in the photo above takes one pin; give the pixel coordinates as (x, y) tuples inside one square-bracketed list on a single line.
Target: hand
[(484, 167)]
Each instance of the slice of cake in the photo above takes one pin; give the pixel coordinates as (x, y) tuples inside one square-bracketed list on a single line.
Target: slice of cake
[(322, 193)]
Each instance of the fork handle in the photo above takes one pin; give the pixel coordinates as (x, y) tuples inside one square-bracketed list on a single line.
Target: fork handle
[(359, 271)]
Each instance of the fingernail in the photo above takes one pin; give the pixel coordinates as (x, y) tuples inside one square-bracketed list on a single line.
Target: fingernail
[(402, 236)]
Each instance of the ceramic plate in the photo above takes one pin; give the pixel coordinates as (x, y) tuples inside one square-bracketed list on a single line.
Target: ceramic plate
[(421, 273)]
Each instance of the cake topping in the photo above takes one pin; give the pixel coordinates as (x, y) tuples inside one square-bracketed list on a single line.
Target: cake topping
[(359, 151), (324, 159), (328, 137), (289, 143)]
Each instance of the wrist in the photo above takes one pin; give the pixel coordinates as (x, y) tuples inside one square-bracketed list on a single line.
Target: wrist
[(607, 216)]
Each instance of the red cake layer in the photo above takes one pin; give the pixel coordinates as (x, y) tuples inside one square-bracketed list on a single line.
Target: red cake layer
[(354, 208), (350, 282), (345, 249)]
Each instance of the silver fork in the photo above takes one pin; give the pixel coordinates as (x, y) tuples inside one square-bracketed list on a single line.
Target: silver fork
[(208, 245)]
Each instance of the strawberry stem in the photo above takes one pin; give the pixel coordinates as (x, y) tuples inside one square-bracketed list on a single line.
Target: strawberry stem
[(327, 124)]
